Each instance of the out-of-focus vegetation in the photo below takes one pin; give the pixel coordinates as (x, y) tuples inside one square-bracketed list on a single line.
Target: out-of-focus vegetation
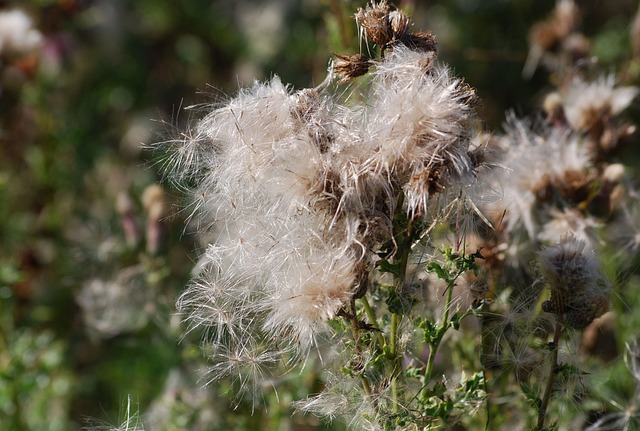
[(94, 245)]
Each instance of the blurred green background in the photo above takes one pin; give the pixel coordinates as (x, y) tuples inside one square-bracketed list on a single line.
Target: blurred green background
[(95, 249)]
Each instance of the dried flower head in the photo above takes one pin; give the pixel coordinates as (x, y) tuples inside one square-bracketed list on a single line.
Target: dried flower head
[(547, 34), (374, 22), (569, 221), (547, 167), (555, 41), (420, 125), (111, 307), (579, 292), (589, 104)]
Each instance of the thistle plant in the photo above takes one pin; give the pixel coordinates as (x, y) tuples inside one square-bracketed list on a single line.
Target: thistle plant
[(349, 229)]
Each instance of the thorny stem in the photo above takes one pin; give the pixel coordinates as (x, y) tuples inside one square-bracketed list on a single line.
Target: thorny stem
[(546, 397)]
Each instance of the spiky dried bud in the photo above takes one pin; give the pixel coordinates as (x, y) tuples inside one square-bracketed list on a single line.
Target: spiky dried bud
[(420, 41), (374, 21), (348, 67), (579, 292)]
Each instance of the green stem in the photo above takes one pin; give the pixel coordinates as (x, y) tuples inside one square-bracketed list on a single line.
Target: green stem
[(395, 361), (546, 397), (356, 338), (367, 388), (393, 347), (404, 238), (433, 350), (484, 331), (444, 327), (372, 320)]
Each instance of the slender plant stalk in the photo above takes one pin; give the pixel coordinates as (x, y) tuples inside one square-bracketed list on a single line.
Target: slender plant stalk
[(369, 312), (444, 326), (435, 345), (393, 353), (483, 365), (546, 397), (356, 338), (404, 239)]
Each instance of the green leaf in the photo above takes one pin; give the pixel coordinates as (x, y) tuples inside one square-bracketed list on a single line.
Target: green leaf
[(531, 396), (385, 266), (431, 331), (398, 303), (440, 272)]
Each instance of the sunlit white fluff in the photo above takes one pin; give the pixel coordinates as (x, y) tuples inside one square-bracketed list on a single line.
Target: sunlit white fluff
[(588, 102), (311, 291), (418, 124), (569, 221), (539, 166)]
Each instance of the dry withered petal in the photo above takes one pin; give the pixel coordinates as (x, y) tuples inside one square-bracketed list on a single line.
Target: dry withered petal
[(374, 20), (467, 94), (307, 103), (348, 67)]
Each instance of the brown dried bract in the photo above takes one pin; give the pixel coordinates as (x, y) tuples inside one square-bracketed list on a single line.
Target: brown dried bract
[(348, 67), (420, 41)]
